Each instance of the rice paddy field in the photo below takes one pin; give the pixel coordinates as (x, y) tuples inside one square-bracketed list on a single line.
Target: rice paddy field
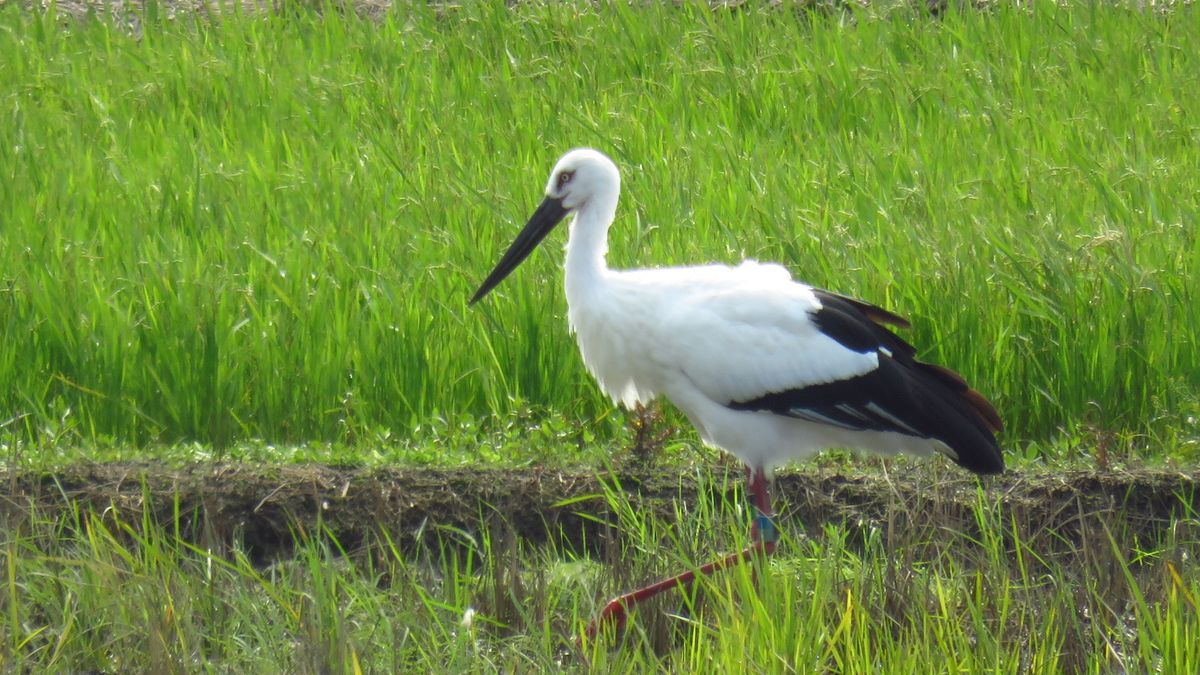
[(248, 422)]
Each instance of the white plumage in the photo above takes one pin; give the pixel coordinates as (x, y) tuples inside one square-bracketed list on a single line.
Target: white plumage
[(705, 336)]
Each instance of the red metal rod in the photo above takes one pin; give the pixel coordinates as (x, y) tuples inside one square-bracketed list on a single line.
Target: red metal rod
[(617, 609)]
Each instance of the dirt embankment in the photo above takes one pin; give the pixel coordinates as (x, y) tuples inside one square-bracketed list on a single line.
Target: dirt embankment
[(263, 507)]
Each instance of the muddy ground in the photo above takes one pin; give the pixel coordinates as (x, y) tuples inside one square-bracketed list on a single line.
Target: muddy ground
[(262, 507)]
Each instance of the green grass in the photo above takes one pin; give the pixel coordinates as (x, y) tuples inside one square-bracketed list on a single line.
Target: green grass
[(266, 229), (1000, 593), (254, 238)]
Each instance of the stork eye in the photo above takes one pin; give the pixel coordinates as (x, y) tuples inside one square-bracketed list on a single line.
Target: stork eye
[(565, 177)]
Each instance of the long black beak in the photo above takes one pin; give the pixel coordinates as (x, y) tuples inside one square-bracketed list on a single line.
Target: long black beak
[(548, 214)]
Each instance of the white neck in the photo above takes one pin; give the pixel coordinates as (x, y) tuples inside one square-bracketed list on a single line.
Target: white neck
[(587, 244)]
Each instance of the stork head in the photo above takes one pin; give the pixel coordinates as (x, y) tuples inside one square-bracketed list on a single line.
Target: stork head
[(583, 179), (580, 175)]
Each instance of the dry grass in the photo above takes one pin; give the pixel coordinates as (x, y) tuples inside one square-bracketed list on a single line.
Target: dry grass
[(259, 507), (1085, 572)]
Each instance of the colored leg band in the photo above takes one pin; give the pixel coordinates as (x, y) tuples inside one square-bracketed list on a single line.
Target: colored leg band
[(767, 532)]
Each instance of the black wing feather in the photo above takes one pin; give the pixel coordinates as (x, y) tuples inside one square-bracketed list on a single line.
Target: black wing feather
[(873, 312), (902, 395)]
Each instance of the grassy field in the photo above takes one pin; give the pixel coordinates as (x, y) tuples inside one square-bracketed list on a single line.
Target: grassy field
[(253, 238), (949, 579), (240, 230)]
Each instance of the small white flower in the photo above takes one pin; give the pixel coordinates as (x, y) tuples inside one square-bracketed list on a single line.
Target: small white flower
[(468, 618)]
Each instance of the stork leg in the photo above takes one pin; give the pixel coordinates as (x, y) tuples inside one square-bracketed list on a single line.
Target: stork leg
[(763, 536)]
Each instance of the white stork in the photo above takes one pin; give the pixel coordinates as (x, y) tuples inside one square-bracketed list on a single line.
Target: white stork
[(764, 367)]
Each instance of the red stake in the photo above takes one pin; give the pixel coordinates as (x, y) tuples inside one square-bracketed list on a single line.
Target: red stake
[(617, 609)]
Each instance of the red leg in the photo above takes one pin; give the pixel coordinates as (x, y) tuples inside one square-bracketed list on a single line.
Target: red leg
[(763, 527), (764, 538)]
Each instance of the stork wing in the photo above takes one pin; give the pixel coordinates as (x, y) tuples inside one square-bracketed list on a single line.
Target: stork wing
[(739, 342), (814, 355)]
